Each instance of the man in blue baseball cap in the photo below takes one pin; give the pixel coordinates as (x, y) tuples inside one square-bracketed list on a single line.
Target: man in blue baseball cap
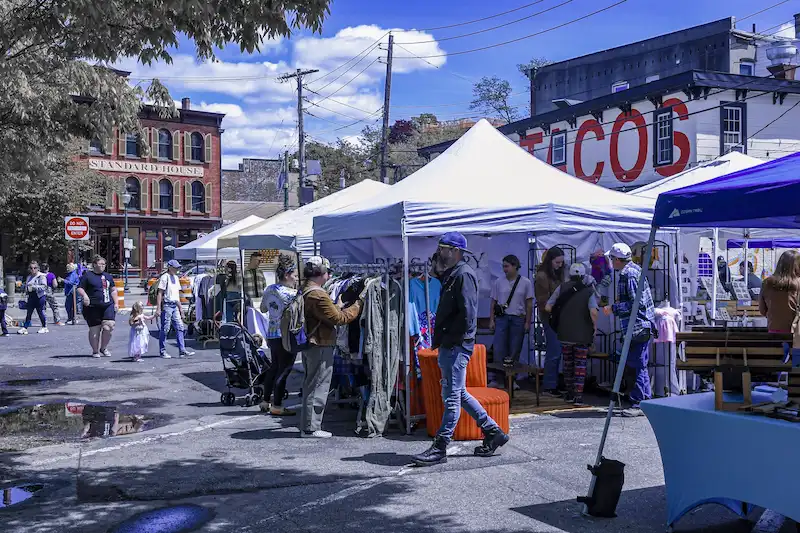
[(454, 336)]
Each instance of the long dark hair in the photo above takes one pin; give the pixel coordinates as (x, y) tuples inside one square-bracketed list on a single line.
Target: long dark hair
[(230, 272), (787, 273), (546, 265)]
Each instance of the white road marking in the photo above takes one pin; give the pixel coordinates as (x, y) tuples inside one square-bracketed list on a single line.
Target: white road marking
[(770, 522), (146, 440)]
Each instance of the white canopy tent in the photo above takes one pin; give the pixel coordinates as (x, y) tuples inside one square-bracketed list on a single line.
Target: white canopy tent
[(293, 230), (205, 248), (486, 184)]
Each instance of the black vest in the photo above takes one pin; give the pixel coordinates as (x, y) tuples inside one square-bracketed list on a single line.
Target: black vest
[(575, 322)]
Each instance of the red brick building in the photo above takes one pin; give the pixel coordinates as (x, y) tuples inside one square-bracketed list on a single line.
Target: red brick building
[(175, 190)]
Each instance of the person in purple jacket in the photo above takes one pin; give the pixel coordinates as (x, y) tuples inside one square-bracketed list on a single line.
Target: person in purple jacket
[(3, 307), (50, 296)]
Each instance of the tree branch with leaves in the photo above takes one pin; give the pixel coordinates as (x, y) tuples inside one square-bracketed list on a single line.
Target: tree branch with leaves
[(492, 97)]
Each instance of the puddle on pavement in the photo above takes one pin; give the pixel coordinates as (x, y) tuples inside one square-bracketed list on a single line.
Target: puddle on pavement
[(18, 494), (26, 382), (38, 425), (177, 519)]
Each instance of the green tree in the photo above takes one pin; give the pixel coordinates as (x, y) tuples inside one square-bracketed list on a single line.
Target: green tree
[(55, 86), (492, 97)]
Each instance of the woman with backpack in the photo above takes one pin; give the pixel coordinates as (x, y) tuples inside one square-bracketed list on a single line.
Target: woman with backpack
[(322, 315), (274, 302)]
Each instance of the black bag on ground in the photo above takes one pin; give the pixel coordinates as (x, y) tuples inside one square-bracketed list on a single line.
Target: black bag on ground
[(610, 477)]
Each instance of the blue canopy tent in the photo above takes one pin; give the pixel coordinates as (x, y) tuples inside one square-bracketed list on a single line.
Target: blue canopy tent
[(764, 196), (764, 243)]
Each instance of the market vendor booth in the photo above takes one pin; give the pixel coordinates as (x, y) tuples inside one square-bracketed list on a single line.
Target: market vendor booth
[(504, 200), (732, 446)]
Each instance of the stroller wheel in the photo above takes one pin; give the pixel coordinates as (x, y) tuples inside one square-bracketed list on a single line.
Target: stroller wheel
[(248, 401), (227, 398)]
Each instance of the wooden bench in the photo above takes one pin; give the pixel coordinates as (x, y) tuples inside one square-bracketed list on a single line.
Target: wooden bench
[(512, 370), (733, 351)]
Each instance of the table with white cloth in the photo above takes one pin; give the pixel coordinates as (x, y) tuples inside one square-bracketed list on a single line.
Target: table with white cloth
[(733, 459)]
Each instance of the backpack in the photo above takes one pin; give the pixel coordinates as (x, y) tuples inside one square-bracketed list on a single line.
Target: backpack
[(293, 324), (152, 292), (561, 301)]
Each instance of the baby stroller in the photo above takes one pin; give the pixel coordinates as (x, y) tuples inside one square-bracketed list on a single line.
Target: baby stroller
[(244, 367)]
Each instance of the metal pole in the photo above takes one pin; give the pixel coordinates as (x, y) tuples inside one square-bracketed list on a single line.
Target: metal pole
[(286, 181), (75, 289), (125, 252), (714, 295), (406, 332), (626, 346), (746, 269), (386, 97)]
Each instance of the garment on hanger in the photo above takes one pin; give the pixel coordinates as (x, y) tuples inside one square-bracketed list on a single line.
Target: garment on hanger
[(667, 323), (416, 296)]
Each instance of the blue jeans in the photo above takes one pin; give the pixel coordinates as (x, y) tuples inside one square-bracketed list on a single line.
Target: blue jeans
[(37, 304), (509, 334), (171, 315), (453, 363), (552, 358), (638, 356)]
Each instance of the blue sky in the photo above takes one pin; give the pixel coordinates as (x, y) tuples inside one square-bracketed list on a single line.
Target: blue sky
[(261, 112)]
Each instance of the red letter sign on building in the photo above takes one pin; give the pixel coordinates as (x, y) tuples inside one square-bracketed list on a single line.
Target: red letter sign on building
[(76, 228)]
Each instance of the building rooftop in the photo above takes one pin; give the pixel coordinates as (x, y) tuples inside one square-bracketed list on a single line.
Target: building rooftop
[(233, 211)]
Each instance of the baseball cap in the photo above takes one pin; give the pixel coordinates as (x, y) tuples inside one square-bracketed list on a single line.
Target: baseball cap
[(577, 269), (620, 251), (173, 263), (454, 239), (318, 260)]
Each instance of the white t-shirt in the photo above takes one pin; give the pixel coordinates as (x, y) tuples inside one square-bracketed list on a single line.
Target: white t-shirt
[(501, 288), (171, 285)]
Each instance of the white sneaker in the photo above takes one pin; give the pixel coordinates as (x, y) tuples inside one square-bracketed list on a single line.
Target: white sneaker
[(165, 355), (44, 330), (22, 331), (105, 353), (97, 355), (318, 434), (495, 385)]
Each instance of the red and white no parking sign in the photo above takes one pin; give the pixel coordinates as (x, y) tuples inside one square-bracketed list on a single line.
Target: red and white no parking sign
[(76, 228)]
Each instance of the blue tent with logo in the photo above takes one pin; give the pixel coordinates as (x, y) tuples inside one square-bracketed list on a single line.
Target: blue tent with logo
[(764, 196)]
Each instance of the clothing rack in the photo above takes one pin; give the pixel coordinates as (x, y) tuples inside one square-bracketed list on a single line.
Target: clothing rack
[(384, 270), (424, 269)]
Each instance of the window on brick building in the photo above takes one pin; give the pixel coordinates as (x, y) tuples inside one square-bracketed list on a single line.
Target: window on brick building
[(132, 145), (164, 144), (197, 147), (165, 195), (96, 147), (134, 188), (198, 197)]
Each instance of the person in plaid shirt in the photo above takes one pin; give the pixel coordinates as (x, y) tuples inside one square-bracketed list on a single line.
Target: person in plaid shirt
[(639, 352), (254, 281)]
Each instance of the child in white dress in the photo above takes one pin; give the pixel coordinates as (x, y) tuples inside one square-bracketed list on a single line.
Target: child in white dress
[(139, 340)]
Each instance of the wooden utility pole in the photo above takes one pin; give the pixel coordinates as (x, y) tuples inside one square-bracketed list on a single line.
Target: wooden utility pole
[(302, 137), (387, 92), (286, 180)]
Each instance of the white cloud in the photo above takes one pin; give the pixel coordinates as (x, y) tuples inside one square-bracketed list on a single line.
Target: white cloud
[(327, 53), (236, 117)]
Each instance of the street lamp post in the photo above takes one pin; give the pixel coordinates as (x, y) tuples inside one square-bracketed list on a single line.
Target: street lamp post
[(126, 198)]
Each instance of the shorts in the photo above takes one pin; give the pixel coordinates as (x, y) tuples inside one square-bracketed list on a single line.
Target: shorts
[(95, 314)]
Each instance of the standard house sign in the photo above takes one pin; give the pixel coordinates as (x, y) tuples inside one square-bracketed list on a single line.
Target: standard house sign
[(109, 165)]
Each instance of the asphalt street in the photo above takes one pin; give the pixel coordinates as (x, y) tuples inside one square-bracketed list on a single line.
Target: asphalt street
[(233, 469)]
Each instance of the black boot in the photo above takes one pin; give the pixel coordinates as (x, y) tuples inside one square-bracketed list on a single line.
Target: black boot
[(434, 455), (491, 442)]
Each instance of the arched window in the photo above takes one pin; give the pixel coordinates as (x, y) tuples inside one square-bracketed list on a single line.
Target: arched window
[(165, 195), (197, 146), (133, 188), (164, 144), (198, 197)]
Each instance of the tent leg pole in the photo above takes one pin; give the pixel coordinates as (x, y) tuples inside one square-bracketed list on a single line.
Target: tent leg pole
[(626, 345), (241, 294), (406, 334), (714, 295)]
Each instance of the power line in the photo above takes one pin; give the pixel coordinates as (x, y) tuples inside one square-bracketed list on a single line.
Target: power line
[(335, 102), (352, 124), (763, 10), (777, 119), (275, 137), (351, 67), (485, 30), (418, 106), (482, 19), (329, 110), (573, 21), (366, 50), (457, 75), (350, 81)]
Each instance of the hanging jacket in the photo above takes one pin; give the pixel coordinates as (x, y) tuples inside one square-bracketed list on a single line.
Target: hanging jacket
[(457, 314)]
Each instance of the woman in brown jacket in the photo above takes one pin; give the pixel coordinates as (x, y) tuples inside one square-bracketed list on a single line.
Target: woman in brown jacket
[(549, 275), (780, 293), (322, 315)]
